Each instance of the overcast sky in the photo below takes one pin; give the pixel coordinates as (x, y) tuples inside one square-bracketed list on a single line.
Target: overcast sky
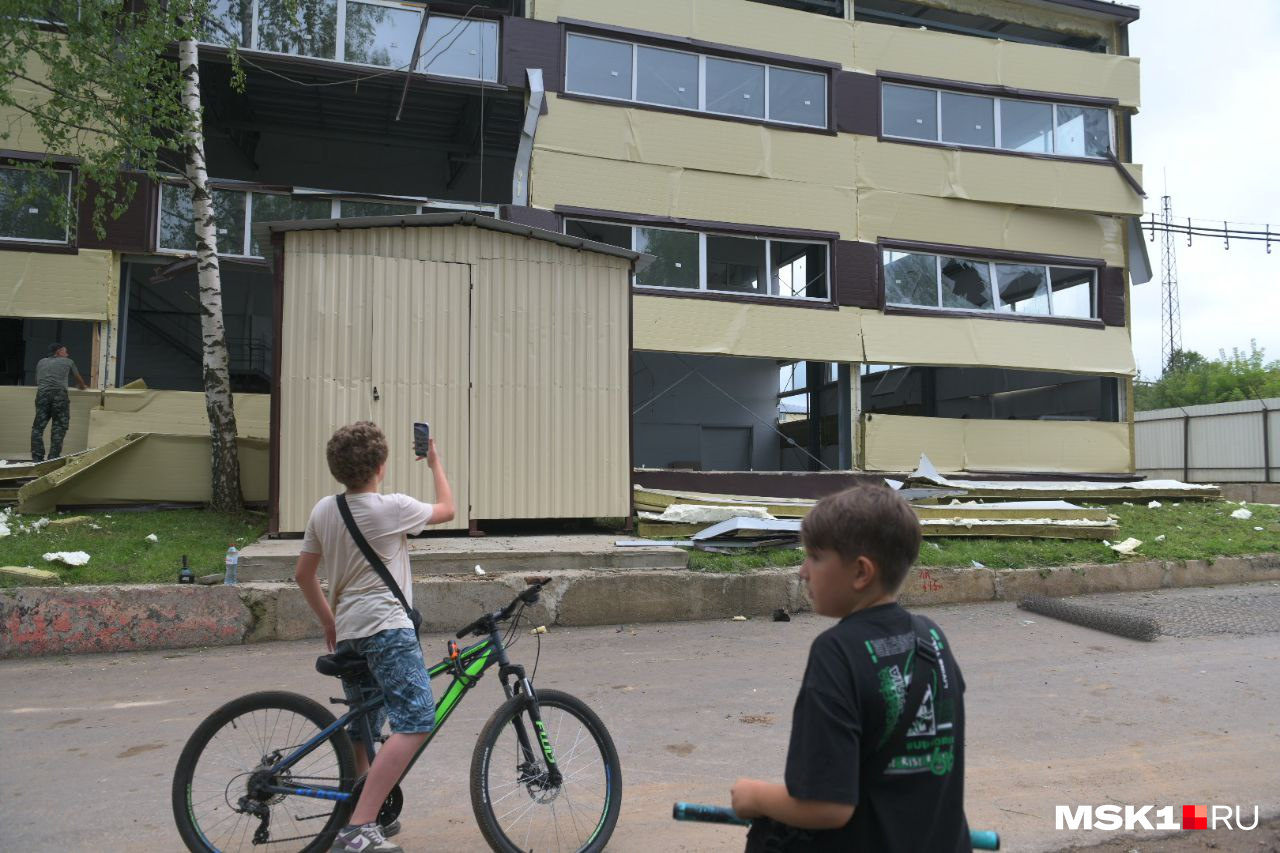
[(1210, 74)]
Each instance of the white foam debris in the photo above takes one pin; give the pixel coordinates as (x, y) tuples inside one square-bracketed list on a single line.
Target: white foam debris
[(1128, 546), (1242, 514), (1154, 505), (71, 558), (151, 537), (700, 514)]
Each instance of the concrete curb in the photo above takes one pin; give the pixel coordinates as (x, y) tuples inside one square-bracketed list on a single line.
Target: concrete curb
[(36, 621)]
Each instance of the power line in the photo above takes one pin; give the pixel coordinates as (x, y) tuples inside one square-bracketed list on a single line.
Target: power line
[(1226, 231)]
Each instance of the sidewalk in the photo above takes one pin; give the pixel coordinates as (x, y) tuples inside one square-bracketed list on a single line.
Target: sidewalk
[(67, 620)]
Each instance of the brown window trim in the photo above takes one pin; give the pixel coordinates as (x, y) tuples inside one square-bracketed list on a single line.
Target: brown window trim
[(43, 248), (986, 254), (996, 90), (723, 296), (9, 156), (703, 114), (763, 231), (912, 311), (711, 48)]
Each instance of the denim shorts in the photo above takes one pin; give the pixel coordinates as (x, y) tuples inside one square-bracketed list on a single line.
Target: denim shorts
[(397, 669)]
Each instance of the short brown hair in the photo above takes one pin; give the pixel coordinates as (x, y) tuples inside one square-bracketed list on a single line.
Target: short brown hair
[(355, 453), (872, 521)]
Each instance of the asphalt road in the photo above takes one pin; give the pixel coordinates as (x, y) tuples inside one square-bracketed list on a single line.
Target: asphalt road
[(1058, 714)]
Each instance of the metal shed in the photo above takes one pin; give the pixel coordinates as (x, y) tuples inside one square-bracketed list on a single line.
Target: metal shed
[(511, 341)]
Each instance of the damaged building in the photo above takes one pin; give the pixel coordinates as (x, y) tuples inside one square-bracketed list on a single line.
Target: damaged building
[(877, 228)]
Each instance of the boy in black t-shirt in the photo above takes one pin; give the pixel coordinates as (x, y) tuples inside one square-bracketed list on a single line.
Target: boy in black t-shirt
[(853, 781)]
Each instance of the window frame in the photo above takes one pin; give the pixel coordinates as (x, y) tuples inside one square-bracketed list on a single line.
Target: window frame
[(997, 101), (421, 204), (702, 108), (340, 39), (702, 288), (69, 228), (998, 305)]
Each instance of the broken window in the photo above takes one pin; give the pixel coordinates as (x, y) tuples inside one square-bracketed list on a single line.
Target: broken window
[(917, 15), (620, 70), (1041, 127), (29, 202), (271, 207), (988, 393), (694, 260), (365, 31), (914, 279), (666, 77)]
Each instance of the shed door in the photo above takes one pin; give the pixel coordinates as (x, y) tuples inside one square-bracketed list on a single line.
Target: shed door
[(420, 371)]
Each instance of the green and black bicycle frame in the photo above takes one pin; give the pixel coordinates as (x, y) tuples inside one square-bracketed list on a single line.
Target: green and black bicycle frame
[(467, 666)]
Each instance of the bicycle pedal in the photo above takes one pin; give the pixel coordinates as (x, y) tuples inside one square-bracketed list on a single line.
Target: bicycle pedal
[(333, 700)]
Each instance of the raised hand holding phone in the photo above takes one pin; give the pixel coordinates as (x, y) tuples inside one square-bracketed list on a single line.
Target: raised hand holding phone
[(421, 439)]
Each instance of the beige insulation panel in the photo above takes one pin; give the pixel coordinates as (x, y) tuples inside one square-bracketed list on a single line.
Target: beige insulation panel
[(420, 369), (18, 410), (550, 379), (949, 56), (157, 468), (80, 286), (951, 173), (674, 191), (895, 442), (757, 26), (713, 327), (989, 342), (883, 214), (695, 142), (126, 410), (326, 370)]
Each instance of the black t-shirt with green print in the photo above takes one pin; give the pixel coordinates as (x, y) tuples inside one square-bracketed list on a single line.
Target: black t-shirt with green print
[(850, 701)]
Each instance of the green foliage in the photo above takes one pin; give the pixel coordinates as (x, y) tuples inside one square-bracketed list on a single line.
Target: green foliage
[(95, 79), (1191, 379)]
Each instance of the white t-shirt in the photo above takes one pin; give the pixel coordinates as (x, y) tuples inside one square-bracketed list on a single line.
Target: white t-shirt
[(362, 604)]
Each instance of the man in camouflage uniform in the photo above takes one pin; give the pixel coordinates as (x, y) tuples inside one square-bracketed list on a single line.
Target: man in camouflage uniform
[(52, 402)]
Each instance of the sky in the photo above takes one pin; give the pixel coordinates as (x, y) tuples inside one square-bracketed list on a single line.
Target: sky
[(1208, 134)]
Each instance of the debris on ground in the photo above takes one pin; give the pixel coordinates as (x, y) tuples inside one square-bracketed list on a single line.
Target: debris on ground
[(29, 575), (71, 558), (781, 615), (1242, 514), (151, 537), (1128, 546)]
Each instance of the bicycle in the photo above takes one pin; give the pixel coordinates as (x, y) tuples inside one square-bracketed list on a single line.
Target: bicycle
[(284, 761)]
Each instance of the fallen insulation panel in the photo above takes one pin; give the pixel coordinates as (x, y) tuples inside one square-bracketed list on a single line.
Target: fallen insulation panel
[(1054, 510), (1090, 489)]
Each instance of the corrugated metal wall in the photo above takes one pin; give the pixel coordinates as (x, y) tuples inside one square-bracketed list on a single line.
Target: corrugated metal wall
[(540, 333), (550, 415), (1215, 443)]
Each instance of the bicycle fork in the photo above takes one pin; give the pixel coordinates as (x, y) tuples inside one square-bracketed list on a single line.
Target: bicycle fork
[(514, 682)]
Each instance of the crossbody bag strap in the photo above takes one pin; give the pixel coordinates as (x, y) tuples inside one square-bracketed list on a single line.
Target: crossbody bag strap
[(922, 669), (371, 555)]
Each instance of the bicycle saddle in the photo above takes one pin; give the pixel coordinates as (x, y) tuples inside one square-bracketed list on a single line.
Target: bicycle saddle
[(340, 665)]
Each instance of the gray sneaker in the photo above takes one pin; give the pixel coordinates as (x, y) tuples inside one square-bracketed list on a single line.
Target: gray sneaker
[(367, 838)]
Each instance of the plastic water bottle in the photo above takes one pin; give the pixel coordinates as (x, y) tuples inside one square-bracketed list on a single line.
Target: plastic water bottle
[(233, 562)]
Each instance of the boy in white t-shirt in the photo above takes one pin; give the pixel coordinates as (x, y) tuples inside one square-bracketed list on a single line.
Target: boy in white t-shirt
[(362, 616)]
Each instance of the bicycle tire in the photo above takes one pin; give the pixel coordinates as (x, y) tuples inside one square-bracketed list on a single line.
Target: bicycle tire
[(585, 754), (236, 738)]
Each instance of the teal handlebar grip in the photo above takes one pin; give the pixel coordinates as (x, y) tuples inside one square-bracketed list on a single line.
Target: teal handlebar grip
[(984, 839), (707, 814)]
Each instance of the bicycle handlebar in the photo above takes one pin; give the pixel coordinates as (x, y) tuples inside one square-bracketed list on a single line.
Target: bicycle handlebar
[(487, 622), (982, 839)]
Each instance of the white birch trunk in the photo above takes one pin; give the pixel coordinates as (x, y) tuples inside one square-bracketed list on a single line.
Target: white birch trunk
[(225, 462)]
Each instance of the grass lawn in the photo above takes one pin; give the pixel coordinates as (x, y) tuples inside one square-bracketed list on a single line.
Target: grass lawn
[(1193, 531), (118, 548)]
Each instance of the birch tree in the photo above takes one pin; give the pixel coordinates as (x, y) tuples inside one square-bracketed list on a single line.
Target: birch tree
[(97, 80)]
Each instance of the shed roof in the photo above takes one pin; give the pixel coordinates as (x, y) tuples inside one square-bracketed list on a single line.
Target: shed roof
[(264, 230)]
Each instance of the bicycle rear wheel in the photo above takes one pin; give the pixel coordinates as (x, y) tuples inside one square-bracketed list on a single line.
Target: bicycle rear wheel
[(213, 805), (517, 806)]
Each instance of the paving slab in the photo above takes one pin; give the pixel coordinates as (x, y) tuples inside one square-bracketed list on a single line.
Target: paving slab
[(274, 559)]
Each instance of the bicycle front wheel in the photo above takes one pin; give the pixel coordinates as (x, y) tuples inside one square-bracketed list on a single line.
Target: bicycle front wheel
[(517, 804), (217, 801)]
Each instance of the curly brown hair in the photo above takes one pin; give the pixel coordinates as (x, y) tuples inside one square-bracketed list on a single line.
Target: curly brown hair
[(867, 520), (355, 453)]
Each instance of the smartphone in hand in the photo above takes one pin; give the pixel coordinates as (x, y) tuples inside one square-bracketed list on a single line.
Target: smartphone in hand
[(421, 439)]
